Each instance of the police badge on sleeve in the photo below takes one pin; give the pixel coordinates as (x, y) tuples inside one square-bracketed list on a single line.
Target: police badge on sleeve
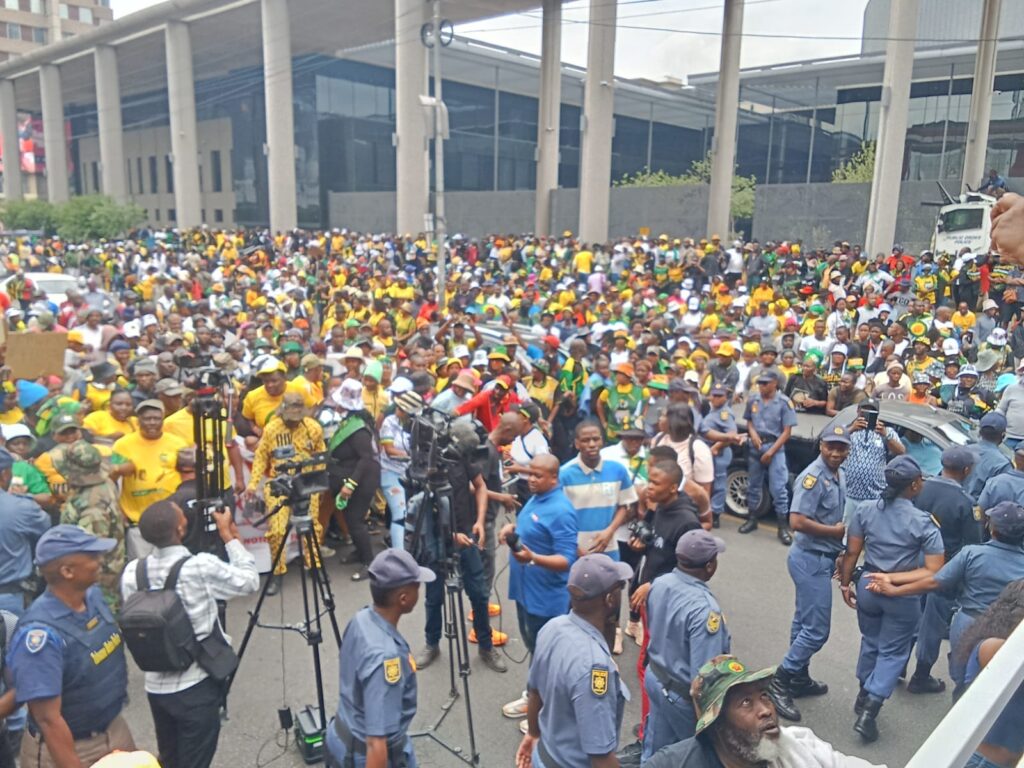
[(35, 639), (599, 681)]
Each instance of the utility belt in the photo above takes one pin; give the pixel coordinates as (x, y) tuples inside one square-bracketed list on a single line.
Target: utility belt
[(353, 746), (821, 552), (767, 440), (35, 733), (668, 682)]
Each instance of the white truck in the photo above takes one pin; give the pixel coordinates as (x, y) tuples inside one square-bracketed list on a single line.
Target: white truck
[(963, 223)]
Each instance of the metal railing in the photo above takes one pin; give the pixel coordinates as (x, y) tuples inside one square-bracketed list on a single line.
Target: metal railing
[(965, 725)]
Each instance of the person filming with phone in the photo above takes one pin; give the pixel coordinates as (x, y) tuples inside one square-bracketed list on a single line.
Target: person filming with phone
[(872, 445)]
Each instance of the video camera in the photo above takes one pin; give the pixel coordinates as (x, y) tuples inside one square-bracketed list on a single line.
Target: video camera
[(642, 531), (298, 480)]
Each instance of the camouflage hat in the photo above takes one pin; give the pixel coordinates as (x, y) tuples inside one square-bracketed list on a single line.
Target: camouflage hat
[(713, 681), (62, 422), (83, 465)]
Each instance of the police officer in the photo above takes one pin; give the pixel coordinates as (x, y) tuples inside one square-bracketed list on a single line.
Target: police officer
[(770, 420), (719, 430), (92, 505), (944, 498), (893, 534), (67, 659), (573, 678), (1006, 486), (816, 514), (686, 629), (975, 577), (377, 699), (990, 460), (22, 522)]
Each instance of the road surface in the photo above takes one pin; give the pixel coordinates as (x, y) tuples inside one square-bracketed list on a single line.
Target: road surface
[(752, 585)]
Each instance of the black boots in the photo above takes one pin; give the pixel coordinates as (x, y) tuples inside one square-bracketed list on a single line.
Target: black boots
[(785, 535), (749, 525), (802, 685), (866, 725), (782, 695), (858, 705), (923, 682)]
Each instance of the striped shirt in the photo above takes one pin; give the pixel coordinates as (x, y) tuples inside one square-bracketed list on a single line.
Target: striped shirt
[(596, 494)]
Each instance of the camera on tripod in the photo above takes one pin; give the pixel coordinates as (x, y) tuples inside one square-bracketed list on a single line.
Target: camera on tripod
[(209, 377), (298, 480), (642, 531)]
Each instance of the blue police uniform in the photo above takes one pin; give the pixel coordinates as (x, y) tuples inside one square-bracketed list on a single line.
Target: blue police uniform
[(975, 577), (720, 420), (78, 656), (953, 509), (1006, 486), (686, 629), (896, 534), (770, 418), (990, 462), (578, 683), (22, 522), (377, 693), (819, 494)]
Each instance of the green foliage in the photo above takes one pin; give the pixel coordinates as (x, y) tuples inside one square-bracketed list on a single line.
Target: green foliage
[(743, 187), (859, 169), (29, 214), (89, 217)]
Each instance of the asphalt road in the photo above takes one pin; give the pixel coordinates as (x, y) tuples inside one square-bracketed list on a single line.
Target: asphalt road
[(756, 596)]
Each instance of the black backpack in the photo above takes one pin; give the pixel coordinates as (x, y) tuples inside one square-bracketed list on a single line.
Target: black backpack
[(155, 625)]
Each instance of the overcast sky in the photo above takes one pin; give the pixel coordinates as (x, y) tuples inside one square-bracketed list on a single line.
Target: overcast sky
[(649, 45)]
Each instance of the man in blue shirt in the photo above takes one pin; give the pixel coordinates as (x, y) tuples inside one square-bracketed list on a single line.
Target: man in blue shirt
[(991, 461), (992, 182), (1008, 486), (22, 522), (576, 697), (543, 547)]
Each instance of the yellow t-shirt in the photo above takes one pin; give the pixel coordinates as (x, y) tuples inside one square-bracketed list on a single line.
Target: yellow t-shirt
[(312, 392), (964, 322), (103, 424), (259, 406), (155, 476), (583, 262)]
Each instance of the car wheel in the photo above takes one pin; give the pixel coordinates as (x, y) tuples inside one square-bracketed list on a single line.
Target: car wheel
[(736, 486)]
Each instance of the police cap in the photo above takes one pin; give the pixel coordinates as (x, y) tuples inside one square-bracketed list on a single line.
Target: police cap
[(395, 568), (957, 458), (63, 540), (698, 548), (597, 574)]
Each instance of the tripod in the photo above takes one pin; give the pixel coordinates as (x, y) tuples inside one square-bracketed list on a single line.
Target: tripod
[(454, 612), (317, 600)]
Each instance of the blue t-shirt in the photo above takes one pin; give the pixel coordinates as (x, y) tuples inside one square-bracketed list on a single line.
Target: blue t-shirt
[(546, 526)]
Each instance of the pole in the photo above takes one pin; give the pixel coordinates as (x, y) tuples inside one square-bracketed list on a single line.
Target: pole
[(440, 225), (723, 144)]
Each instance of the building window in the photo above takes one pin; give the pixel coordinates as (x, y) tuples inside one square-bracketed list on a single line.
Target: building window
[(202, 215), (73, 12), (64, 11), (138, 172), (218, 214), (128, 173), (169, 170), (37, 6), (95, 176), (172, 215), (38, 35), (152, 175), (12, 5), (200, 178), (14, 31), (156, 214), (85, 15), (215, 171)]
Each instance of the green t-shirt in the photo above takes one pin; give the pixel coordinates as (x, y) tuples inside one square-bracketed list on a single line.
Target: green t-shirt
[(33, 480)]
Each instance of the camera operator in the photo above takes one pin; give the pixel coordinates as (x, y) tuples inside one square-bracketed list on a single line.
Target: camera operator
[(194, 539), (468, 519), (186, 705)]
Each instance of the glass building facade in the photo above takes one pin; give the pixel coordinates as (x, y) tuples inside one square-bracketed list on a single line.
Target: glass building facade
[(345, 120)]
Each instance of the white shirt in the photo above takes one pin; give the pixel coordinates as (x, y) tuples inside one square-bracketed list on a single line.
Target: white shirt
[(525, 447), (203, 580)]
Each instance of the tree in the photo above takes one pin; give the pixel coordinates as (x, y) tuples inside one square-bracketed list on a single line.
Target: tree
[(35, 215), (743, 187), (93, 217), (859, 169)]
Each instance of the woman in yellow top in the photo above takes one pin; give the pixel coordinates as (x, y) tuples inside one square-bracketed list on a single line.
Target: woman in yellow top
[(117, 421), (541, 386)]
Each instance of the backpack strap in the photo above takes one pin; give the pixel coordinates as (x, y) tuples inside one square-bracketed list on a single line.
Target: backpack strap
[(141, 576), (172, 576)]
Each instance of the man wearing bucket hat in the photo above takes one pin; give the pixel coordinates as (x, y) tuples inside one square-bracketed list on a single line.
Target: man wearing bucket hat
[(738, 726), (573, 678), (377, 691), (67, 659), (92, 505)]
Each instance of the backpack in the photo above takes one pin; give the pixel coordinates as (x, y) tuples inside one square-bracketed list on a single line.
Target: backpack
[(155, 626)]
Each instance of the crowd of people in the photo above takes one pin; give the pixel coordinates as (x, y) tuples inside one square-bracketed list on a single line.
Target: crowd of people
[(595, 397)]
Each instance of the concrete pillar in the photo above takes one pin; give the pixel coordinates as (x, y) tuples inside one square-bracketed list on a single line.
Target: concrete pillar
[(548, 117), (53, 133), (108, 109), (9, 141), (892, 127), (598, 123), (723, 144), (181, 100), (981, 98), (277, 85), (412, 164)]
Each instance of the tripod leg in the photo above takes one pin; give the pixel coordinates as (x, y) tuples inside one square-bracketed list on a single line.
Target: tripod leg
[(459, 610), (312, 623), (322, 583)]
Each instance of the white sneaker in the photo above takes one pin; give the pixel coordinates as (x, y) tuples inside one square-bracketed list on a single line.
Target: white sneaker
[(516, 709), (524, 726), (636, 630), (617, 647)]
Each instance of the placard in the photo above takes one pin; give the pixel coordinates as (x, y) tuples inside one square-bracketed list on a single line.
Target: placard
[(31, 355)]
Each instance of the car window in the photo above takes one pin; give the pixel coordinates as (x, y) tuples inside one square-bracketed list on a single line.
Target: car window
[(957, 432)]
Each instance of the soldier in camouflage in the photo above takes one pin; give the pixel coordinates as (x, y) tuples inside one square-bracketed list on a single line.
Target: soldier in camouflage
[(92, 505)]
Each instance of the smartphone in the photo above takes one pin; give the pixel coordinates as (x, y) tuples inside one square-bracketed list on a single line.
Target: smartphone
[(872, 419)]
